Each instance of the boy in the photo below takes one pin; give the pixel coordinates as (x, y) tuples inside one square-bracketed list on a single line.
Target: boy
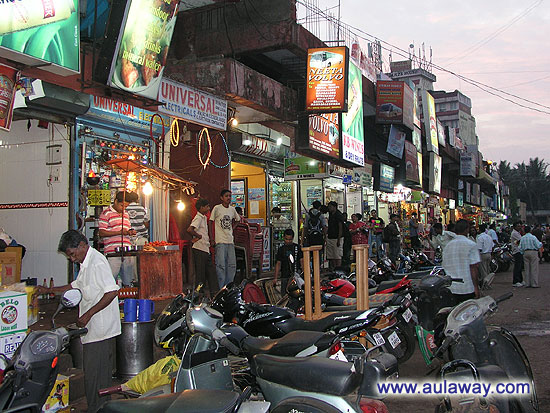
[(284, 266), (204, 270)]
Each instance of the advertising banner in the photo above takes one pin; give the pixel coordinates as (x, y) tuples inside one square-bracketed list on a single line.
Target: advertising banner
[(394, 103), (327, 73), (396, 142), (324, 134), (435, 173), (193, 105), (360, 56), (353, 146), (452, 137), (411, 163), (420, 165), (440, 133), (416, 138), (416, 110), (142, 46), (8, 81), (304, 168), (430, 124), (476, 194), (467, 165), (468, 192), (45, 30), (363, 176), (384, 180)]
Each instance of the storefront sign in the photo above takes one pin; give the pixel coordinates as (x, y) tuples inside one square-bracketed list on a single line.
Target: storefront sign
[(430, 123), (396, 142), (8, 80), (99, 197), (460, 199), (440, 133), (338, 171), (193, 105), (142, 47), (467, 165), (468, 192), (324, 134), (347, 179), (129, 116), (452, 204), (411, 163), (452, 137), (394, 103), (327, 72), (45, 30), (260, 147), (353, 147), (304, 168), (384, 178), (435, 173), (476, 194), (400, 193), (266, 258), (363, 176)]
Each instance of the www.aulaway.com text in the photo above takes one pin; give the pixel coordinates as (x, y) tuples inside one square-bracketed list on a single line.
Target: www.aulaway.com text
[(450, 388)]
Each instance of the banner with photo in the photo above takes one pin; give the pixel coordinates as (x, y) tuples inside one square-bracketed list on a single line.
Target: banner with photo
[(435, 173), (396, 142), (353, 140), (411, 163), (430, 123)]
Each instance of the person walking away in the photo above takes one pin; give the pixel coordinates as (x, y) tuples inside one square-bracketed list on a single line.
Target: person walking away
[(539, 234), (284, 266), (346, 249), (98, 312), (493, 233), (515, 238), (335, 236), (115, 229), (393, 234), (204, 270), (139, 219), (460, 260), (315, 226), (376, 226), (530, 246), (221, 221), (485, 247), (413, 231)]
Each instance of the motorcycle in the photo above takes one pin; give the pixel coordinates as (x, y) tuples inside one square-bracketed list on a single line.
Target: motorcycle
[(30, 375), (501, 258)]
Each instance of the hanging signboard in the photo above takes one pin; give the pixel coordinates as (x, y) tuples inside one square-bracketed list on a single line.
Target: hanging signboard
[(430, 123), (394, 103), (420, 165), (142, 46), (8, 80), (435, 173), (327, 73), (411, 163), (324, 134), (396, 142), (193, 105), (353, 147), (384, 176), (363, 176), (304, 168), (360, 55), (440, 133), (416, 110), (467, 164), (416, 138)]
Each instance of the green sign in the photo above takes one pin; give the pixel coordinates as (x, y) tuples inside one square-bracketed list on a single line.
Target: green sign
[(44, 30), (304, 168), (353, 147)]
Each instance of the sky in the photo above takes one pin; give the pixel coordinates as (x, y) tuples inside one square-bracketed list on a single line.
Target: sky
[(502, 43)]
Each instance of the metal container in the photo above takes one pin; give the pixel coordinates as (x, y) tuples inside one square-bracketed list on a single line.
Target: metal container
[(134, 348)]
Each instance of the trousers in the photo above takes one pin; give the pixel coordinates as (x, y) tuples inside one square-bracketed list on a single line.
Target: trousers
[(226, 263), (97, 359), (531, 262), (204, 270), (518, 268)]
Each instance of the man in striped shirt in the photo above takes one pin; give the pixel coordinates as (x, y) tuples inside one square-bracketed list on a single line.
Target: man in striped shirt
[(139, 219), (115, 229)]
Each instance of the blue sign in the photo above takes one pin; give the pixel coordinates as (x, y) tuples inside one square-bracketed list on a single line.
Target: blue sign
[(346, 179)]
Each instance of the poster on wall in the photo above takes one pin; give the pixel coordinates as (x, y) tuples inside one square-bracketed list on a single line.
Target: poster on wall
[(394, 103), (256, 194), (324, 134), (435, 173), (430, 123), (396, 142), (327, 72), (411, 163), (44, 31), (8, 81), (353, 147), (238, 194), (142, 46)]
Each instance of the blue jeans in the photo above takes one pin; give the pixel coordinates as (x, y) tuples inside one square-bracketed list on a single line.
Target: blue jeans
[(374, 239), (226, 263)]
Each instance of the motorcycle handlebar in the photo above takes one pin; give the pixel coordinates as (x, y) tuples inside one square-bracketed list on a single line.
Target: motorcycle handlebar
[(504, 297), (230, 346), (78, 332), (109, 390)]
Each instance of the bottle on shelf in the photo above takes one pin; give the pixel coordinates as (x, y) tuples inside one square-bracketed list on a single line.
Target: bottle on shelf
[(52, 295), (45, 285)]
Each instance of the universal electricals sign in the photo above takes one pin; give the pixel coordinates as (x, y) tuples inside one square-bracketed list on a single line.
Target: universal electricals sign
[(327, 76)]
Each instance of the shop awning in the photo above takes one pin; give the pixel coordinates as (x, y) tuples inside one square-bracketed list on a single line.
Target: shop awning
[(132, 165)]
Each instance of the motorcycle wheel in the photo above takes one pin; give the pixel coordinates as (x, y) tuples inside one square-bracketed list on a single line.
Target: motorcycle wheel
[(493, 265), (405, 349)]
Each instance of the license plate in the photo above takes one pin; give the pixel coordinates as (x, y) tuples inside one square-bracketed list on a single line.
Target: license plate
[(394, 339), (407, 315), (339, 355), (379, 339)]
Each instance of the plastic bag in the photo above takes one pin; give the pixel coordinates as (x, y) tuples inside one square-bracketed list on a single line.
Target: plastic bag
[(155, 375)]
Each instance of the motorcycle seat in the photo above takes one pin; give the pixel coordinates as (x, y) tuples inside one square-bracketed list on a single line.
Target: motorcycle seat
[(311, 374), (187, 401), (322, 324), (290, 344)]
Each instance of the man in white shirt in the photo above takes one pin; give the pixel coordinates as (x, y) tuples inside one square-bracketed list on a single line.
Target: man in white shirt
[(98, 312), (485, 247), (221, 220), (204, 270), (440, 237), (515, 239), (460, 260), (492, 233)]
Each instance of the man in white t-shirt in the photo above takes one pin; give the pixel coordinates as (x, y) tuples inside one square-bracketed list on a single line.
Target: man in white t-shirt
[(98, 312), (221, 220)]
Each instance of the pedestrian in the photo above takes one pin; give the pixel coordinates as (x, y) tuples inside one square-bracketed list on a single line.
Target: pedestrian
[(221, 221), (530, 246), (493, 233), (358, 230), (440, 237), (98, 312), (472, 233), (413, 232), (204, 270), (376, 226), (460, 260), (285, 267), (335, 236), (315, 226), (115, 229), (393, 235), (485, 246), (515, 238), (139, 219)]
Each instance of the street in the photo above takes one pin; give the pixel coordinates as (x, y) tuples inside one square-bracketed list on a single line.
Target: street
[(526, 314)]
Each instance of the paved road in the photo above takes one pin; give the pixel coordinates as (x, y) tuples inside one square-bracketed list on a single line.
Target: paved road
[(526, 314)]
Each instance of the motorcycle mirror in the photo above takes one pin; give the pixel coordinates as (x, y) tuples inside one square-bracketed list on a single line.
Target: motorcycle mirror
[(70, 298)]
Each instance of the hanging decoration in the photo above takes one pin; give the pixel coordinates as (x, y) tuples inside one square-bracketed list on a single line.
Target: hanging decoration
[(204, 162), (175, 132), (157, 141), (226, 151)]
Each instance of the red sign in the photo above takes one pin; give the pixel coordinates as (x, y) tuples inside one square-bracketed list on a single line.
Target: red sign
[(8, 80), (394, 103), (324, 134)]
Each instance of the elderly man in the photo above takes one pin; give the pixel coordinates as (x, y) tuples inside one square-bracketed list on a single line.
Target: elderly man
[(529, 246), (485, 246)]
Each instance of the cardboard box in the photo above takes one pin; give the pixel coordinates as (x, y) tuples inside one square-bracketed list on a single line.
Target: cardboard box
[(8, 268), (10, 342), (59, 396), (13, 312), (19, 252)]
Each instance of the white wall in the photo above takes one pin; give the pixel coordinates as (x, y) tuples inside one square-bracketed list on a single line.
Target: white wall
[(24, 178)]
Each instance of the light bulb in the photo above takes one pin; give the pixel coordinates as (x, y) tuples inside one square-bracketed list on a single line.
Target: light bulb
[(180, 206), (234, 122), (279, 141), (147, 188)]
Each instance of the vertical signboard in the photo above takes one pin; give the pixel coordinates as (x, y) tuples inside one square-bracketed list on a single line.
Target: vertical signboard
[(353, 146), (411, 163), (430, 123), (434, 184), (384, 178), (396, 142), (420, 166), (394, 103), (142, 46), (467, 165), (416, 138), (324, 134), (8, 79), (440, 133), (327, 72), (416, 110)]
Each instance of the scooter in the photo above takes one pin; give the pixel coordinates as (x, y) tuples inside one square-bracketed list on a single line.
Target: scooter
[(30, 375)]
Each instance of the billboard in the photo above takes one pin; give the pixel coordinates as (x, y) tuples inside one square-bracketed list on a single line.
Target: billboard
[(434, 184), (384, 178), (353, 140), (360, 56), (416, 138), (420, 165), (36, 31), (411, 163), (327, 75), (440, 133), (467, 164), (142, 46), (396, 142), (304, 168), (394, 103), (324, 134), (8, 79), (416, 110), (430, 123)]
